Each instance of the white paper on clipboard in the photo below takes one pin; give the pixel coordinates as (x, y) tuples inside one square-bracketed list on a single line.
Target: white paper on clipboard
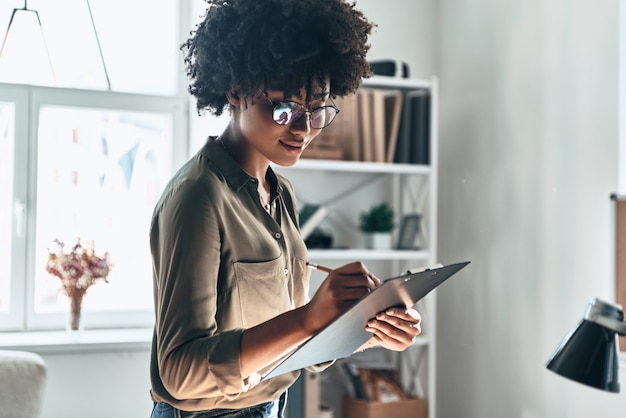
[(347, 333)]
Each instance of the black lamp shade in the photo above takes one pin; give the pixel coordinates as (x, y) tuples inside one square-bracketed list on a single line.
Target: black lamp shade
[(588, 355)]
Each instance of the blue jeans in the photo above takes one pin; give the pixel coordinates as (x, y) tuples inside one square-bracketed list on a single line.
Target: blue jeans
[(273, 409)]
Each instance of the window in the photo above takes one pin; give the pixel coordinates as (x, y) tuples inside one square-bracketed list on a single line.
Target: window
[(80, 159)]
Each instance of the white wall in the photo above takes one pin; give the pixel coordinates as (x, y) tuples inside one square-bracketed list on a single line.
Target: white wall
[(528, 161), (97, 385), (406, 30)]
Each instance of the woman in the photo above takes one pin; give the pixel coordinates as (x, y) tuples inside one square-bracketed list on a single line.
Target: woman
[(230, 270)]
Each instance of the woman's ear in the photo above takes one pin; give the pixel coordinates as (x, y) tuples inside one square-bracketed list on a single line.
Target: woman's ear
[(233, 97)]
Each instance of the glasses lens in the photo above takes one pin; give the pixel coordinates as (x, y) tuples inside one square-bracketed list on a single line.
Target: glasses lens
[(287, 112), (322, 117)]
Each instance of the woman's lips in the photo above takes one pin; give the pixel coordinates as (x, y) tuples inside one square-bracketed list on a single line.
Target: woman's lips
[(294, 147)]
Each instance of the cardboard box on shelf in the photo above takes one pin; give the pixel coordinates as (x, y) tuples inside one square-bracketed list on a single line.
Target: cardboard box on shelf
[(410, 408)]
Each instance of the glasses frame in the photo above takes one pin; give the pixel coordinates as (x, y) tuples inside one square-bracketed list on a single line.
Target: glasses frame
[(299, 110)]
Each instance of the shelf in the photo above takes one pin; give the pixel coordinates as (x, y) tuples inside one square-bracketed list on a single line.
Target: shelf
[(363, 254), (395, 82), (351, 186), (358, 167)]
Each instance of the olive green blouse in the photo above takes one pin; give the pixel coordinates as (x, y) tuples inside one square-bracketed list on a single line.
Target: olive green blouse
[(221, 264)]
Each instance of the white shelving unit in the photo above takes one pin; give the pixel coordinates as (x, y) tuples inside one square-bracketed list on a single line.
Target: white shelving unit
[(349, 187)]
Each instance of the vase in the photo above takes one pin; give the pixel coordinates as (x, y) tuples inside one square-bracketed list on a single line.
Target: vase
[(378, 240), (74, 323)]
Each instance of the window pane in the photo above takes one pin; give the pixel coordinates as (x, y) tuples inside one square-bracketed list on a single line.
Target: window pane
[(100, 173), (7, 129), (138, 40)]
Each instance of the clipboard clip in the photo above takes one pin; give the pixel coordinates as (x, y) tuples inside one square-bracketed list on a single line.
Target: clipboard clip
[(421, 269)]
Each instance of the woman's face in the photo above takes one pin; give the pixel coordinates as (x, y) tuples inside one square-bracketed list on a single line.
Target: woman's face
[(281, 144)]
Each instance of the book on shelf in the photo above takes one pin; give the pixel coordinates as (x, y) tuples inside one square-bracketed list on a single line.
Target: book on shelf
[(343, 132), (365, 115), (323, 149), (384, 117), (377, 125), (378, 119), (393, 111), (309, 217), (403, 144)]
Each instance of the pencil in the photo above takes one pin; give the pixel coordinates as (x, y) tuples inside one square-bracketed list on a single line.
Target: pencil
[(318, 267)]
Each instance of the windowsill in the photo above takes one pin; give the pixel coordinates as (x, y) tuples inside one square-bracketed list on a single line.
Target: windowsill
[(90, 340)]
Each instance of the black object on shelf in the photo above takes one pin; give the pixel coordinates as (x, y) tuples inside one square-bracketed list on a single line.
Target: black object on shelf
[(319, 239), (390, 67)]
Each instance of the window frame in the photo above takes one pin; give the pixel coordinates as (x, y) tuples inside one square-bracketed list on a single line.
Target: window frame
[(15, 318), (28, 101)]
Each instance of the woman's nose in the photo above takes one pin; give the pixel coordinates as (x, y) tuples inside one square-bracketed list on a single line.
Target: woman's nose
[(302, 124)]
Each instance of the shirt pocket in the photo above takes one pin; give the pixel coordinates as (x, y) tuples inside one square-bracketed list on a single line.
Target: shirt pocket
[(263, 289)]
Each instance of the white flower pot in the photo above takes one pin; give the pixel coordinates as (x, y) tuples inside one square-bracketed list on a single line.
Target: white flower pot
[(378, 240)]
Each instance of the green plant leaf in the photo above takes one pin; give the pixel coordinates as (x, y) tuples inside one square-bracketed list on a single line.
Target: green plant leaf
[(379, 218)]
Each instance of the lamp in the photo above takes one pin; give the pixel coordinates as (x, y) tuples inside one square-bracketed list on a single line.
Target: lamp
[(588, 354), (31, 22)]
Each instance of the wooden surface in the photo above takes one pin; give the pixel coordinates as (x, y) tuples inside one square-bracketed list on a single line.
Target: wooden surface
[(620, 257)]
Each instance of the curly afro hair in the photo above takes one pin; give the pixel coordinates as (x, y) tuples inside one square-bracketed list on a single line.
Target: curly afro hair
[(285, 44)]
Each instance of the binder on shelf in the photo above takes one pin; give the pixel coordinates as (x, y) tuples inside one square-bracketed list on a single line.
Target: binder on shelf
[(420, 127), (347, 333), (310, 217), (413, 145)]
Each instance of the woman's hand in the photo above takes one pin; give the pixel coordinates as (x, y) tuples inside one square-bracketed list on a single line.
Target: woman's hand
[(394, 328), (341, 289)]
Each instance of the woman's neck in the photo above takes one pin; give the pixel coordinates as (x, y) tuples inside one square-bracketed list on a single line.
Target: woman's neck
[(247, 157)]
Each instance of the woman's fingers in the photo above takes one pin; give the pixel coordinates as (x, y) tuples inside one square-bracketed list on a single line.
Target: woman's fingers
[(395, 328)]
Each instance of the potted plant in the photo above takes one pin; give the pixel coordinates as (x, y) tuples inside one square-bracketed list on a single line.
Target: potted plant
[(377, 224)]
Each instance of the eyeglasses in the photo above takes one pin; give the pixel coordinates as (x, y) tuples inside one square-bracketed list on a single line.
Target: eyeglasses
[(287, 112)]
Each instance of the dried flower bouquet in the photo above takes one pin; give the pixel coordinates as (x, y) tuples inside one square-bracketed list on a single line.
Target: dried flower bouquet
[(78, 269)]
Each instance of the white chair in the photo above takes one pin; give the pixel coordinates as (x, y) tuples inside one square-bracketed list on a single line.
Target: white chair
[(22, 382)]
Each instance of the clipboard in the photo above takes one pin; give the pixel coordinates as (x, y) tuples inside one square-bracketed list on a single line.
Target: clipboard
[(347, 333)]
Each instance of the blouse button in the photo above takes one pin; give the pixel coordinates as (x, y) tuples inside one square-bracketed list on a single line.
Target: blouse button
[(277, 235), (285, 272)]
